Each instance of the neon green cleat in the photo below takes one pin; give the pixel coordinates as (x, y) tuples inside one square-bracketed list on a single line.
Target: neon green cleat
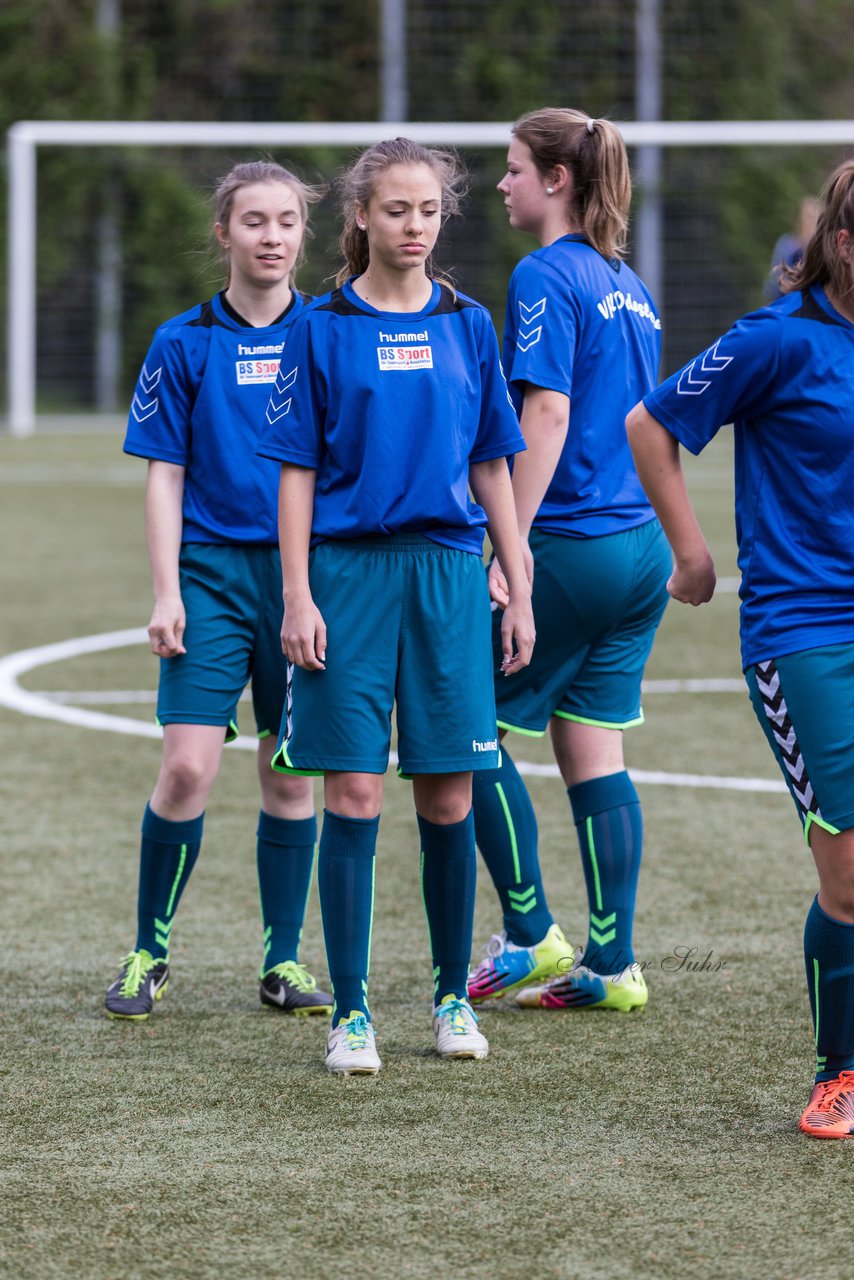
[(508, 968), (581, 988), (291, 988), (141, 981)]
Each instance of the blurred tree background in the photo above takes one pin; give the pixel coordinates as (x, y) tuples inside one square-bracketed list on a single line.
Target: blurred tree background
[(319, 60)]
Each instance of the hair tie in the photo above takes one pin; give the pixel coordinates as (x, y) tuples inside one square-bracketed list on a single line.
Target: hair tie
[(590, 124)]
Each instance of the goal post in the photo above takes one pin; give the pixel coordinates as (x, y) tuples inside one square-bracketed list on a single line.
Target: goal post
[(25, 137)]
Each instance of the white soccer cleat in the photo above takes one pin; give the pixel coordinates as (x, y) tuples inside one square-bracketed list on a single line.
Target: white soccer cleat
[(455, 1027), (351, 1048)]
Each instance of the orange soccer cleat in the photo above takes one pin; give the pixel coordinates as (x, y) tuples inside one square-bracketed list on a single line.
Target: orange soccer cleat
[(830, 1110)]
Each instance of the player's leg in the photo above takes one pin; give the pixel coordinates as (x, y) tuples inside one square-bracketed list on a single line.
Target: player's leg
[(197, 705), (446, 731), (345, 881), (609, 827), (287, 824), (829, 956), (337, 722), (171, 837), (621, 582), (531, 947), (805, 705), (448, 875), (285, 852), (506, 834)]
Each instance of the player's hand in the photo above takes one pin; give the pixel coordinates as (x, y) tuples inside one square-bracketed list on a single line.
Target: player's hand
[(693, 583), (517, 634), (166, 628), (304, 634), (498, 589), (497, 583)]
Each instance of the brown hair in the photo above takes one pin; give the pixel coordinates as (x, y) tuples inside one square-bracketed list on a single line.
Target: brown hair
[(594, 153), (252, 171), (358, 183), (822, 262)]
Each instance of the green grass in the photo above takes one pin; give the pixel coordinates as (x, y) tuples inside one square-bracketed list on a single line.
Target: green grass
[(210, 1142)]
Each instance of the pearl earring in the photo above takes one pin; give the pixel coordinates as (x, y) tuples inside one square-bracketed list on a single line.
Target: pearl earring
[(550, 191)]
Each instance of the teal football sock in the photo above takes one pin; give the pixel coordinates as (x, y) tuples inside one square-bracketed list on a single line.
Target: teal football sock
[(345, 882), (609, 826), (448, 873), (168, 854), (829, 956), (506, 834), (285, 855)]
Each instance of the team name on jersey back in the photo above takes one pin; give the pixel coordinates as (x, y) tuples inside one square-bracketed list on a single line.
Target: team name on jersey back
[(616, 301)]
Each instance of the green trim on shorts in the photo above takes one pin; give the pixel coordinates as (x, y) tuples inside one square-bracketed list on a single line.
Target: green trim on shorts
[(599, 724), (231, 730), (264, 733), (515, 728), (282, 764), (819, 822)]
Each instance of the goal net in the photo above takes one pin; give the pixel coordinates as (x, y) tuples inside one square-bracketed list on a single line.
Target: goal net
[(108, 223)]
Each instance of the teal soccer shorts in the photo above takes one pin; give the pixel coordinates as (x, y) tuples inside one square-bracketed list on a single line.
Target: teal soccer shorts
[(597, 604), (407, 622), (805, 705), (233, 600)]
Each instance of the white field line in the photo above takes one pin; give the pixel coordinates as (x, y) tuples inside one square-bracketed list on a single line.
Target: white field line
[(129, 697), (56, 707)]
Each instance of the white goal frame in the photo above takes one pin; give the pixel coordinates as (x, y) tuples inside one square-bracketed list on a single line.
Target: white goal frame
[(27, 135)]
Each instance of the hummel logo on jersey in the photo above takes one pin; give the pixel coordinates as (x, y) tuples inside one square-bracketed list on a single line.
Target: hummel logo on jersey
[(691, 385), (275, 350), (423, 336), (142, 409), (528, 336), (619, 301), (283, 382), (490, 745)]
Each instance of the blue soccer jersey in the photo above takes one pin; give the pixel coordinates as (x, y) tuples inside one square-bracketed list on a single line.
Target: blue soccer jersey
[(199, 402), (389, 409), (585, 326), (784, 376)]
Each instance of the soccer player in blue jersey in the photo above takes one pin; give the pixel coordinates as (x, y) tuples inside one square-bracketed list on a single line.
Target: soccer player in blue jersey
[(390, 403), (211, 530), (581, 344), (784, 376)]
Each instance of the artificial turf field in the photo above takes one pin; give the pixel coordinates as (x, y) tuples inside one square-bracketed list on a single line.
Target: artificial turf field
[(211, 1142)]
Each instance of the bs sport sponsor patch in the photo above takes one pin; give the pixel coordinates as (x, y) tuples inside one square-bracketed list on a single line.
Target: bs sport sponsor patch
[(405, 357), (253, 371)]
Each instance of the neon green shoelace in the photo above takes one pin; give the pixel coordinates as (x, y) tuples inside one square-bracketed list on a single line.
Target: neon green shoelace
[(296, 974), (139, 963)]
